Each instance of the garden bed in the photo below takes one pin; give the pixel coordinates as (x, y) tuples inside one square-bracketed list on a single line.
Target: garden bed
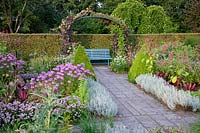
[(168, 94), (176, 67), (52, 94)]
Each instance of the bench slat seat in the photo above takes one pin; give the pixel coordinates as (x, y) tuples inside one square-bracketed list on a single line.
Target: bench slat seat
[(99, 54)]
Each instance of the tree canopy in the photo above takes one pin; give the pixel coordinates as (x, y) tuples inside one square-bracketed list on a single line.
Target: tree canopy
[(192, 15), (142, 19), (131, 12), (40, 16), (155, 20)]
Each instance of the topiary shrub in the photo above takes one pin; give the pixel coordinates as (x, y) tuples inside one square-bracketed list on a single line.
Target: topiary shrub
[(142, 64), (81, 57)]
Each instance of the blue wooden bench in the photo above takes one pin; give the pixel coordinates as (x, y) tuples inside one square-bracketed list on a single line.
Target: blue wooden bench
[(99, 54)]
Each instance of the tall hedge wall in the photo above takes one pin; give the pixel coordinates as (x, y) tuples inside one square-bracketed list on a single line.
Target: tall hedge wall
[(153, 40), (38, 44), (50, 43), (94, 40)]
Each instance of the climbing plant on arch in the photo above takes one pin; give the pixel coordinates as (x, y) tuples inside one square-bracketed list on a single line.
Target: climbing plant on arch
[(65, 29)]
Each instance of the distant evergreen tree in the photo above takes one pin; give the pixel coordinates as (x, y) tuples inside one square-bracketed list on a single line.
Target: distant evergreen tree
[(155, 20), (192, 15)]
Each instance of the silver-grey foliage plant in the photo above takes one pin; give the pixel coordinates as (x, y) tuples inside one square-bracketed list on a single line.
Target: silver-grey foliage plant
[(117, 129), (168, 93), (120, 128), (100, 100)]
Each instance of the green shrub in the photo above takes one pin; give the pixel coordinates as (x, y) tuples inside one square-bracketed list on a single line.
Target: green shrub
[(192, 41), (81, 57), (46, 63), (41, 64), (140, 65), (90, 123), (3, 47)]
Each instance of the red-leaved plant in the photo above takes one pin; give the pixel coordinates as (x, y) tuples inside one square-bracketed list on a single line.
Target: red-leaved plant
[(189, 86)]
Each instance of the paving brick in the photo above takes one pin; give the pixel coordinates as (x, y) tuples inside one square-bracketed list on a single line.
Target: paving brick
[(138, 109)]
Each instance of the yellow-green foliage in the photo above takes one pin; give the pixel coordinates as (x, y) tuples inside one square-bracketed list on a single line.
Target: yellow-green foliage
[(139, 66), (3, 47), (81, 57)]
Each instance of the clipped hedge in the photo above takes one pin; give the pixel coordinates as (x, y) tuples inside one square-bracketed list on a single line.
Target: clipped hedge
[(154, 40), (81, 57), (49, 44), (139, 65), (38, 44), (94, 40)]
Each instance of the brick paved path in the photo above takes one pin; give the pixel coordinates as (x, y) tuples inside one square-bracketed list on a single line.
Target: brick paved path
[(137, 109)]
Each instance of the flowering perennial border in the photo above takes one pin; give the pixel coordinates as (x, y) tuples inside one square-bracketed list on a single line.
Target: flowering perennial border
[(56, 77)]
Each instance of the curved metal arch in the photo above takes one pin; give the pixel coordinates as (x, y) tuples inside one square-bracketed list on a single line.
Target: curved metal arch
[(99, 17), (66, 28)]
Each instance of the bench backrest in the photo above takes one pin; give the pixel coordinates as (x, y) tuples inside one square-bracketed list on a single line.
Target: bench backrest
[(98, 53)]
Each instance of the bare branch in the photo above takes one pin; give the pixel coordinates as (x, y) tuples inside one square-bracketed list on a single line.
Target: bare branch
[(19, 18)]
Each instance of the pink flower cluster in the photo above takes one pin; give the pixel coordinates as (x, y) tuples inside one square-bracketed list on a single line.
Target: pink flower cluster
[(165, 48), (6, 61), (58, 76)]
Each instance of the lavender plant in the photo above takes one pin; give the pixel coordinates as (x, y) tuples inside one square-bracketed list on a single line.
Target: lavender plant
[(168, 93), (100, 100)]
